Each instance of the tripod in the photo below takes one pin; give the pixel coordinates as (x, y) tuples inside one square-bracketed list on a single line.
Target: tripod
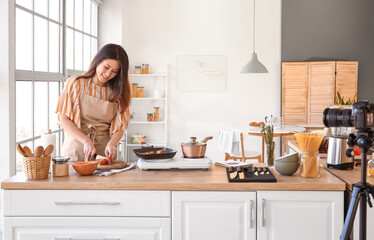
[(362, 190)]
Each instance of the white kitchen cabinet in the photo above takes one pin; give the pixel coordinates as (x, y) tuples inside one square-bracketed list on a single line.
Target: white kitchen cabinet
[(213, 215), (155, 131), (295, 215), (87, 228)]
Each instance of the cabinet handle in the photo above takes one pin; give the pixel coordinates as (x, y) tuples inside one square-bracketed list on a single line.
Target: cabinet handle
[(250, 213), (263, 213), (87, 239), (87, 203)]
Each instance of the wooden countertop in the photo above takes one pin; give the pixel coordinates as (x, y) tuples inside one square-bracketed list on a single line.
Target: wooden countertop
[(213, 179)]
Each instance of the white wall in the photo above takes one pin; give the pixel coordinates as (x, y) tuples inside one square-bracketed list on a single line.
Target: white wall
[(155, 32)]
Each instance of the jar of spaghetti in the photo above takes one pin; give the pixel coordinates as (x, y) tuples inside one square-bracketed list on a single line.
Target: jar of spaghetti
[(138, 69), (156, 113), (60, 166), (140, 91), (134, 88), (310, 164), (149, 117)]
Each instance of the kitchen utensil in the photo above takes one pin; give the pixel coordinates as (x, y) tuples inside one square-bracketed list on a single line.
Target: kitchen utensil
[(20, 150), (36, 167), (85, 168), (38, 151), (114, 165), (142, 153), (48, 150), (27, 151), (286, 168), (195, 149)]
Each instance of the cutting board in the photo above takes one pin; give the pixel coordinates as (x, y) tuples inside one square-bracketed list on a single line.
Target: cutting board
[(114, 165)]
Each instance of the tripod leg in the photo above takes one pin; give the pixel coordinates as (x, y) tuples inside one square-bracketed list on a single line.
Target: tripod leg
[(348, 224), (363, 208)]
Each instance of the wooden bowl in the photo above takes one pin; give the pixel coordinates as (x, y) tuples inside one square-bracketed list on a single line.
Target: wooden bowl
[(85, 168)]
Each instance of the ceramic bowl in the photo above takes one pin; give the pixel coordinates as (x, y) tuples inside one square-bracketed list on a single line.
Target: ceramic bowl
[(286, 168), (289, 158), (85, 168)]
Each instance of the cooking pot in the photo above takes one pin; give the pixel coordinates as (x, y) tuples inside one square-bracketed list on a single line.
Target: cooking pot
[(195, 149)]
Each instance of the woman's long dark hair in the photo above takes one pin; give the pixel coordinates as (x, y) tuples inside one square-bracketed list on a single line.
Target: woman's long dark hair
[(120, 84)]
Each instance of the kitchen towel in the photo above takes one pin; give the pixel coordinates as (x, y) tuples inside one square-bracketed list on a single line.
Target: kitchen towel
[(113, 171), (229, 142), (49, 139)]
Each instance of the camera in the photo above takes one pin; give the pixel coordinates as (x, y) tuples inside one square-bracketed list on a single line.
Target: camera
[(360, 116)]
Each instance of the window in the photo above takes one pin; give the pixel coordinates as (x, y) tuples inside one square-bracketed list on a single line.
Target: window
[(42, 64)]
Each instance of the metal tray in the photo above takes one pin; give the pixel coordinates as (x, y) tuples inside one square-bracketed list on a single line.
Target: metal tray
[(140, 152)]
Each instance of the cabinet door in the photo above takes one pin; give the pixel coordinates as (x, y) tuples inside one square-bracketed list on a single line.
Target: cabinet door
[(307, 215), (213, 215), (294, 92), (321, 89), (100, 228), (346, 79)]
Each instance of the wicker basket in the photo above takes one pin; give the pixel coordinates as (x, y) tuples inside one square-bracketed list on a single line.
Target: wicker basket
[(36, 168)]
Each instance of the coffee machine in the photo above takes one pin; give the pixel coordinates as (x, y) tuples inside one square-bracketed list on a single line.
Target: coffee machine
[(338, 144)]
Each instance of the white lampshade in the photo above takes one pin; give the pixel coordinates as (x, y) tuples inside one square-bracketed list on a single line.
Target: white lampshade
[(254, 66)]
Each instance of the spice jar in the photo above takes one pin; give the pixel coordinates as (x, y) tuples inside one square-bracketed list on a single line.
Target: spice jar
[(156, 113), (146, 71), (138, 69), (149, 117), (140, 93), (134, 88), (60, 166), (310, 164), (143, 69)]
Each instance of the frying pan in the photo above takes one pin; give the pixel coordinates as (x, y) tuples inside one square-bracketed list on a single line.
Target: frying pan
[(140, 152)]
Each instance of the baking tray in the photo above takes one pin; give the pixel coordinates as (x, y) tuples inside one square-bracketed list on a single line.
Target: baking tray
[(251, 174)]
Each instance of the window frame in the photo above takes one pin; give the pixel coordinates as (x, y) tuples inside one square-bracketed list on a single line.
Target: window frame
[(38, 76)]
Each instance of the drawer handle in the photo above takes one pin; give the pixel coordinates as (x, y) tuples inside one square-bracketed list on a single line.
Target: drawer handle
[(87, 203), (87, 239), (251, 214), (263, 212)]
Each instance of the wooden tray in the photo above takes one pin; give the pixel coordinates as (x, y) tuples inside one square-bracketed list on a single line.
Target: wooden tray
[(114, 165)]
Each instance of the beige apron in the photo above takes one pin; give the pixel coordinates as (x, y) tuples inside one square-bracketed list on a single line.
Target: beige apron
[(96, 116)]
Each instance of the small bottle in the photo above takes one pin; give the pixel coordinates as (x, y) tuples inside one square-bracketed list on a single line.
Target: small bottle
[(371, 167), (146, 69), (149, 117), (138, 69), (134, 88), (143, 69), (156, 113), (140, 93)]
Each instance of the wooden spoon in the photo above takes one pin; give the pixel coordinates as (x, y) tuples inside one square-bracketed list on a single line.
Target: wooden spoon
[(20, 150), (48, 150), (38, 151), (27, 151)]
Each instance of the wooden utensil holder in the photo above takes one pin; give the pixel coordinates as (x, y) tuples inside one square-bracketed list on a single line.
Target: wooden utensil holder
[(36, 168)]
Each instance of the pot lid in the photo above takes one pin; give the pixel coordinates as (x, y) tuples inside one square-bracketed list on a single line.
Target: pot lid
[(193, 142)]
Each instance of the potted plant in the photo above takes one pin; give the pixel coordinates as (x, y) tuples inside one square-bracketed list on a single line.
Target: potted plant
[(267, 132), (340, 100)]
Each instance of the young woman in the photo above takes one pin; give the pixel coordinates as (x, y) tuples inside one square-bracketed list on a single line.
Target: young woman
[(94, 107)]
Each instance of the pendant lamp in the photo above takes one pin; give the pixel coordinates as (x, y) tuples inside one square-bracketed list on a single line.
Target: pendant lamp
[(254, 66)]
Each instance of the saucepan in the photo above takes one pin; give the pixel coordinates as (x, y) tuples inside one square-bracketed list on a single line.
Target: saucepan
[(195, 149)]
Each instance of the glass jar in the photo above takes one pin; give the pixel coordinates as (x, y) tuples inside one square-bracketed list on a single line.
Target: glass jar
[(134, 88), (60, 166), (143, 69), (371, 168), (270, 154), (149, 117), (146, 70), (140, 92), (138, 69), (156, 113), (310, 164)]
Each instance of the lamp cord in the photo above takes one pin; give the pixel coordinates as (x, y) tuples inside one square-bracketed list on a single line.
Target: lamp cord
[(254, 24)]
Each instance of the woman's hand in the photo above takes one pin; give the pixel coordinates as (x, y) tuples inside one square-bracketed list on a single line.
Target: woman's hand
[(89, 148), (111, 152)]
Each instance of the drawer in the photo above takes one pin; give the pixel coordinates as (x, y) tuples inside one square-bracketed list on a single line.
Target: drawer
[(86, 203)]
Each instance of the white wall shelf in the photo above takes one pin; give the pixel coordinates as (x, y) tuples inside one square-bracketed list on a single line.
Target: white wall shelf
[(155, 132)]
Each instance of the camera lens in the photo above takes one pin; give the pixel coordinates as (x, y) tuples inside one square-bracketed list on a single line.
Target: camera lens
[(335, 117)]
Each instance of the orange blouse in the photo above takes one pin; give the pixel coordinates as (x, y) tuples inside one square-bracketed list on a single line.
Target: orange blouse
[(70, 104)]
